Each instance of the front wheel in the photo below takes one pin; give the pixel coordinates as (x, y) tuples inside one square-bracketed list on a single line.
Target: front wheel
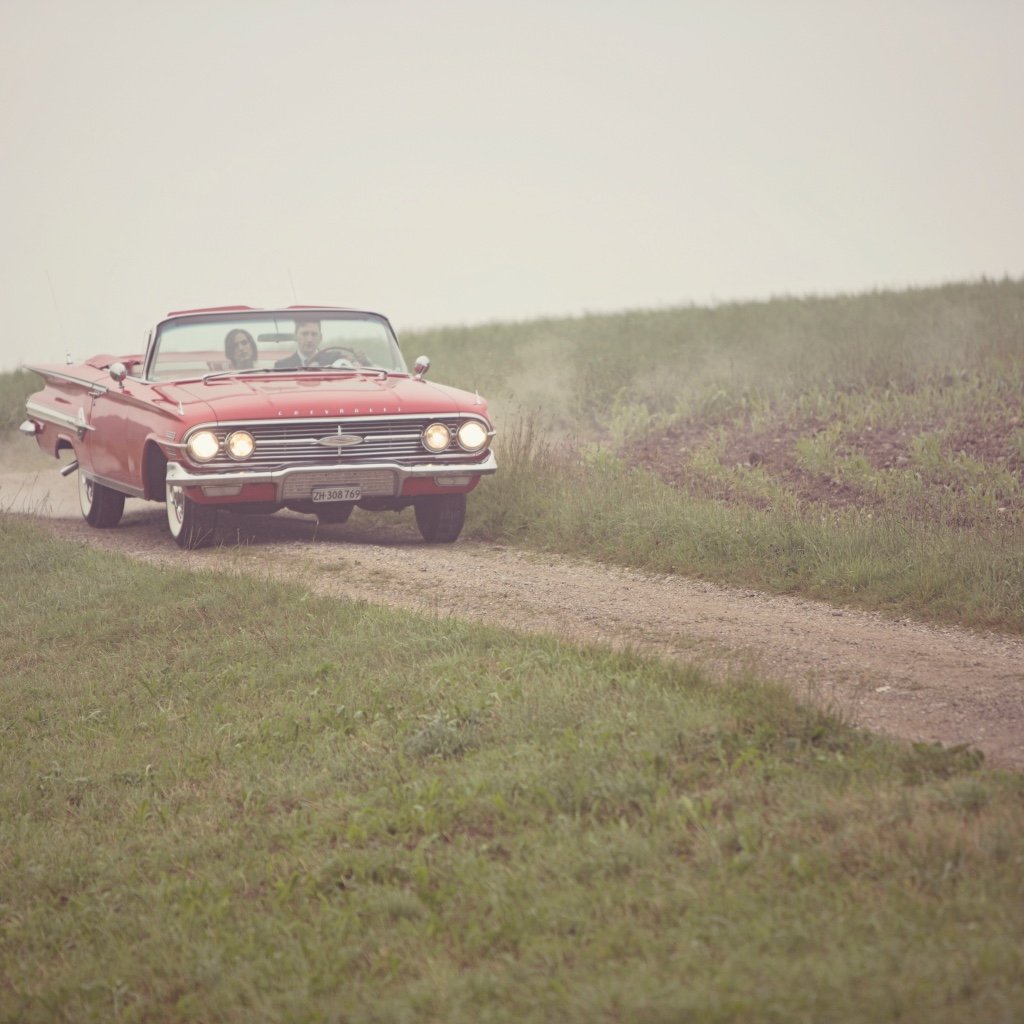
[(440, 517), (191, 524), (101, 506)]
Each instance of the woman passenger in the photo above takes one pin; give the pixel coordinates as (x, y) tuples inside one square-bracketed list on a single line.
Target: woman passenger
[(240, 348)]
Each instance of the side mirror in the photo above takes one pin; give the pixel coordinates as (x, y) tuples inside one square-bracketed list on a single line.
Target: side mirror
[(419, 370), (118, 372)]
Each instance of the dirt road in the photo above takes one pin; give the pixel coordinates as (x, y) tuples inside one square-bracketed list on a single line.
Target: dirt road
[(902, 678)]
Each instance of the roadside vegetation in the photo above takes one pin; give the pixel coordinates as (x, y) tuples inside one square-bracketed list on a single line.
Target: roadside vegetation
[(14, 389), (868, 450), (221, 801)]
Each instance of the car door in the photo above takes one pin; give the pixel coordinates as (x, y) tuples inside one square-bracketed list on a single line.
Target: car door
[(123, 417)]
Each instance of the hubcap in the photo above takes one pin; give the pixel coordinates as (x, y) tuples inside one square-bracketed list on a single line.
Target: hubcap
[(175, 507), (85, 490)]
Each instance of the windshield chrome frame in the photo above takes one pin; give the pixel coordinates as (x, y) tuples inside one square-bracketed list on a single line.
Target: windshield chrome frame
[(241, 316)]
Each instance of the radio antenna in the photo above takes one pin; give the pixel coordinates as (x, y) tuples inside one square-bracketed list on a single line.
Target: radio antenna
[(60, 319), (291, 280)]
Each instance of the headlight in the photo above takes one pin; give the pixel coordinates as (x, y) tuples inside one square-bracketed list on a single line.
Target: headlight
[(472, 436), (436, 437), (203, 446), (239, 445)]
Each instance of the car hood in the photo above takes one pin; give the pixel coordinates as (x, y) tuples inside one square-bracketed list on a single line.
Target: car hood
[(232, 399)]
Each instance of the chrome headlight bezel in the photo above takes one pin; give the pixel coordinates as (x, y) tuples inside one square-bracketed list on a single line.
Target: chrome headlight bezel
[(239, 445), (472, 436), (203, 446), (433, 435)]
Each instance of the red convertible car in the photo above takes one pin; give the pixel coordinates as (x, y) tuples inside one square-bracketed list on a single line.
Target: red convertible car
[(310, 408)]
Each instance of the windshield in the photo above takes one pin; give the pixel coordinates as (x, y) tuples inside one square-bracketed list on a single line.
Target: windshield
[(282, 342)]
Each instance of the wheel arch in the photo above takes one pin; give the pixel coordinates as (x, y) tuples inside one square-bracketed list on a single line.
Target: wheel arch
[(154, 472)]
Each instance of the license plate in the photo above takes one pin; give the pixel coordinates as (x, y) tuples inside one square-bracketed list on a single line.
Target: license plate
[(336, 494)]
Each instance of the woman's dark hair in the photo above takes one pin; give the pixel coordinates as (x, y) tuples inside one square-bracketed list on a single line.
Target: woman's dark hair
[(231, 343)]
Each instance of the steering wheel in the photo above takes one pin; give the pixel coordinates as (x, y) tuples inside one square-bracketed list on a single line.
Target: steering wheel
[(337, 355)]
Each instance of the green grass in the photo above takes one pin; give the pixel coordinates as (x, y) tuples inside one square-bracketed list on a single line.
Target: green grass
[(223, 802)]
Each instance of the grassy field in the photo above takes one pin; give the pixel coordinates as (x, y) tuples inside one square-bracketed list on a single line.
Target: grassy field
[(227, 802), (868, 450)]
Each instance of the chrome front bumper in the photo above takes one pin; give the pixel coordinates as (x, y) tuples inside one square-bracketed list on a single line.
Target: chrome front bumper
[(377, 479)]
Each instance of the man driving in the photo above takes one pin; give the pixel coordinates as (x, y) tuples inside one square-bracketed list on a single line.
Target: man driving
[(308, 337)]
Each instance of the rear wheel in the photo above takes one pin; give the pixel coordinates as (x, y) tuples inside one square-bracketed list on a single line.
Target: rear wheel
[(440, 517), (101, 506), (191, 524)]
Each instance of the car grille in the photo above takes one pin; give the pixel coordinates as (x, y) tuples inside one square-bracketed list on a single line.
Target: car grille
[(297, 443)]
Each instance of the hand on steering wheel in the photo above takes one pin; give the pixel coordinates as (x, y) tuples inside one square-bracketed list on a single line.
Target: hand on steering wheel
[(337, 355)]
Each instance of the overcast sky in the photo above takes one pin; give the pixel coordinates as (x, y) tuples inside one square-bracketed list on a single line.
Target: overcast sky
[(459, 161)]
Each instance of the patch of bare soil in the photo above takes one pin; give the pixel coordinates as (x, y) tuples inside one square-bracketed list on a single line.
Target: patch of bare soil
[(986, 437), (900, 678)]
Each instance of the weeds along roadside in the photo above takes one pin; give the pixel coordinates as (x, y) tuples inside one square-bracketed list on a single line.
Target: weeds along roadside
[(221, 800)]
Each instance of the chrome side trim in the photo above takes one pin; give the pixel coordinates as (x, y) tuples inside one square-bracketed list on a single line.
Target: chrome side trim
[(115, 485), (179, 474), (59, 419)]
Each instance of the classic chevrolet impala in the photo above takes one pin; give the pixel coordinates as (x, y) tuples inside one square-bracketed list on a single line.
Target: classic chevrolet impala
[(310, 408)]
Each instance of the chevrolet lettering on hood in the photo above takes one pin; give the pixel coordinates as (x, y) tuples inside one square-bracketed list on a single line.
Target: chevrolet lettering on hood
[(207, 420)]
